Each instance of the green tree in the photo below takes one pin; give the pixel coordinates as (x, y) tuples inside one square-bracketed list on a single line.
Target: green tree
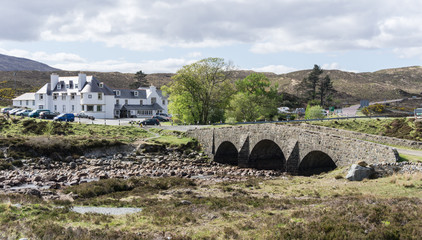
[(140, 80), (314, 112), (325, 89), (200, 92), (255, 98), (310, 83)]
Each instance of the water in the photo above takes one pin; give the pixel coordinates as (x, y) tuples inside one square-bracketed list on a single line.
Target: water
[(106, 210)]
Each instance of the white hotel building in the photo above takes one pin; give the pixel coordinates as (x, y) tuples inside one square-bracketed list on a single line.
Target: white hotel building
[(86, 94)]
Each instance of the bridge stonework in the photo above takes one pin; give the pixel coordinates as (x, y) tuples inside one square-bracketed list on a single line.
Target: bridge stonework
[(287, 148)]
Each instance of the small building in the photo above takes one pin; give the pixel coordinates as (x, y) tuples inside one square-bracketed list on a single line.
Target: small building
[(87, 94)]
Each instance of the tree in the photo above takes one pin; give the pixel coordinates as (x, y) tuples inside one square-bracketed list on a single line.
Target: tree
[(325, 89), (310, 83), (255, 98), (314, 112), (200, 92), (140, 80)]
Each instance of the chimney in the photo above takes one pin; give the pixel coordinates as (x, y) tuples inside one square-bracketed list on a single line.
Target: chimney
[(81, 80), (54, 79)]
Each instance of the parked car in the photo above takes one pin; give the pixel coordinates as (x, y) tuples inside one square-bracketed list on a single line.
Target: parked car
[(67, 117), (24, 112), (164, 115), (48, 115), (4, 110), (36, 113), (14, 111), (84, 115), (150, 121), (161, 118)]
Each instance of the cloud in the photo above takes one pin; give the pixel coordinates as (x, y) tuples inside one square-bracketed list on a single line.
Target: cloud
[(278, 69), (43, 56), (276, 26), (170, 65), (336, 66)]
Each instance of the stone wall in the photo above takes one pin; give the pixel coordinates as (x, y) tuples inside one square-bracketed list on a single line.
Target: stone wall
[(363, 136), (296, 143)]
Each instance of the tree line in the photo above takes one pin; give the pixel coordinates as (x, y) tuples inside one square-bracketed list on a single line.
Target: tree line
[(205, 92)]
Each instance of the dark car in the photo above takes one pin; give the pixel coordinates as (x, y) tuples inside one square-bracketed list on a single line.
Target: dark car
[(48, 115), (161, 118), (84, 115), (36, 113), (66, 117), (150, 121)]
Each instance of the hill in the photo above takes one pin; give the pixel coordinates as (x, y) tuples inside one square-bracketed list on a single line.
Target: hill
[(350, 87), (10, 63)]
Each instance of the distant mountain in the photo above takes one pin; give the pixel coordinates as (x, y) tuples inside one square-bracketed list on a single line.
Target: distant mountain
[(350, 87), (10, 63)]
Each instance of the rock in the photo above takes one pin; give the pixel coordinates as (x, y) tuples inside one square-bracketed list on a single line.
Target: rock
[(34, 192), (68, 159), (358, 173), (362, 163), (185, 202), (72, 165)]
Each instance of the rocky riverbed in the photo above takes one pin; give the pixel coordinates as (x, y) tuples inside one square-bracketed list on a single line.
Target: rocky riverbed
[(44, 177)]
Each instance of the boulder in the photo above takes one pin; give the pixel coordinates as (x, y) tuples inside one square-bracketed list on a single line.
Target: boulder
[(358, 173)]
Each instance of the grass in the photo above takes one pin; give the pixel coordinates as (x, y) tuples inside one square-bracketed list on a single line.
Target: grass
[(410, 158), (319, 207)]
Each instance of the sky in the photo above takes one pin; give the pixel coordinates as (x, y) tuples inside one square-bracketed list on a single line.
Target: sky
[(277, 36)]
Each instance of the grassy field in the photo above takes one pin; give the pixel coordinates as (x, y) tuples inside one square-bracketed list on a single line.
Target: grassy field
[(320, 207)]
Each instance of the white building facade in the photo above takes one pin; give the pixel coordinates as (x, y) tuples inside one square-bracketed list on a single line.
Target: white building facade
[(86, 94)]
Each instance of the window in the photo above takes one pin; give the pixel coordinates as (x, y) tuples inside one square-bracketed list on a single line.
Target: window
[(90, 108), (126, 101), (99, 108), (100, 96), (135, 93), (40, 106), (89, 96), (164, 102), (101, 85), (67, 85), (76, 85), (59, 86), (153, 100), (33, 102), (83, 107), (64, 108), (73, 108), (55, 108), (117, 101), (55, 96), (141, 102), (82, 95), (64, 95), (145, 112), (20, 102), (27, 102), (117, 92), (41, 96), (72, 96)]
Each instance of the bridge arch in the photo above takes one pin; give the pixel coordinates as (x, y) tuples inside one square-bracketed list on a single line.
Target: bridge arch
[(227, 154), (316, 162), (266, 154)]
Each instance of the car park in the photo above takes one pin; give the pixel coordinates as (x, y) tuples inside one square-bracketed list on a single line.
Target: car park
[(24, 113), (66, 117), (48, 115), (161, 118), (150, 121), (84, 115), (14, 111), (36, 113), (164, 115)]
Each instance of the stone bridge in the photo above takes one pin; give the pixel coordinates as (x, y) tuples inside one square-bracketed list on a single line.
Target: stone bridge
[(287, 148)]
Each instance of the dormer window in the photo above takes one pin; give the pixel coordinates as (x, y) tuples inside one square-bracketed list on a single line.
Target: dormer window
[(135, 93), (117, 92), (59, 86), (101, 85), (76, 85), (67, 85)]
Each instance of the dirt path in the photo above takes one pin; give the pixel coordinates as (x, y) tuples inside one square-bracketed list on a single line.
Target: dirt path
[(409, 152)]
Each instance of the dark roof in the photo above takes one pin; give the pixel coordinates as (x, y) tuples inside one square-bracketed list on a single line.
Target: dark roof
[(94, 86), (160, 93), (154, 106), (129, 93)]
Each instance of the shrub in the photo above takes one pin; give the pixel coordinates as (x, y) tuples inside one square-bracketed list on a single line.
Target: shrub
[(314, 112)]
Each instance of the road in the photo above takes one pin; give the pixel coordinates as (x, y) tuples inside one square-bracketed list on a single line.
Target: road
[(351, 111)]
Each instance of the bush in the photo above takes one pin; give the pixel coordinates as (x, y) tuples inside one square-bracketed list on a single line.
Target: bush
[(314, 112)]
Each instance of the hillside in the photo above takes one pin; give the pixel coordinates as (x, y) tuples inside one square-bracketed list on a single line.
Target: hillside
[(10, 63), (350, 87)]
